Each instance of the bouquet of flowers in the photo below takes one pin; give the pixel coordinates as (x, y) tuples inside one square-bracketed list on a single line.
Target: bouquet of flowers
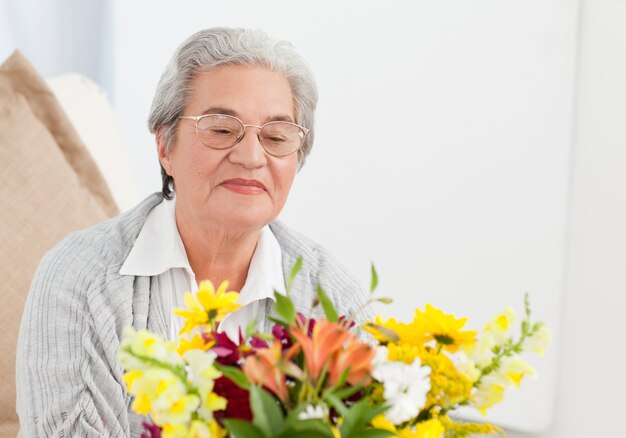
[(319, 377)]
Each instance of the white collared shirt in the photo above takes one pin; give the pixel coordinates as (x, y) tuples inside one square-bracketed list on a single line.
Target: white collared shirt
[(159, 250)]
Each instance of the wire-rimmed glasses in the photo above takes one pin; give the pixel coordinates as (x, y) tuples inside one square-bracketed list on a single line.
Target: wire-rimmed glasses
[(222, 131)]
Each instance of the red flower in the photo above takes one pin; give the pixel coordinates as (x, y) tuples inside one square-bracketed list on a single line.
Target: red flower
[(151, 430), (238, 405)]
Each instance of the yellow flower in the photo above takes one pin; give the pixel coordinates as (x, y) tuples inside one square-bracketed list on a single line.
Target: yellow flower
[(500, 326), (174, 431), (139, 344), (215, 402), (215, 430), (448, 386), (207, 306), (160, 393), (412, 334), (196, 343), (444, 329), (130, 377), (457, 428), (429, 429), (490, 393), (481, 352), (539, 341), (381, 422), (514, 370), (203, 374), (404, 352)]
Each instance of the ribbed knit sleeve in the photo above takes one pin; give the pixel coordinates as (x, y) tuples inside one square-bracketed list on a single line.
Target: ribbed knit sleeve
[(69, 383)]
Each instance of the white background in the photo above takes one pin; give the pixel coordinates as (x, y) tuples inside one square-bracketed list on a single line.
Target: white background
[(475, 74)]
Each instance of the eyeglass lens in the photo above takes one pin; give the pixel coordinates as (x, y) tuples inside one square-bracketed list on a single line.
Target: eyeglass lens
[(223, 132)]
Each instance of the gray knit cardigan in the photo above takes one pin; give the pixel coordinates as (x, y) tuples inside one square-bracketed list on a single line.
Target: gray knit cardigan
[(69, 383)]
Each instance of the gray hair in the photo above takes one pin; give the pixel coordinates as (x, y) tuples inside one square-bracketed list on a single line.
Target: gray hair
[(210, 48)]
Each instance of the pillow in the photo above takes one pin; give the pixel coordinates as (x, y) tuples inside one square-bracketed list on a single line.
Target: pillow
[(88, 108), (50, 187)]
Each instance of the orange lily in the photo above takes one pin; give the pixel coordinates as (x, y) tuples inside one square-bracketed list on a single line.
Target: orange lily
[(262, 368), (328, 338), (357, 356)]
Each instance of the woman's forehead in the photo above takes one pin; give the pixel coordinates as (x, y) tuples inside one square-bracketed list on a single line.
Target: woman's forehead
[(241, 90)]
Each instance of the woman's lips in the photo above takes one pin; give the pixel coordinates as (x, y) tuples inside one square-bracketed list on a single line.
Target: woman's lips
[(244, 186)]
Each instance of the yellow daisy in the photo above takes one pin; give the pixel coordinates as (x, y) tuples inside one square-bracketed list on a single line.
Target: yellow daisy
[(195, 343), (412, 334), (207, 306), (444, 329)]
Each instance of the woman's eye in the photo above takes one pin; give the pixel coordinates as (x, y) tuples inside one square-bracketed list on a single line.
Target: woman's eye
[(221, 131), (276, 139)]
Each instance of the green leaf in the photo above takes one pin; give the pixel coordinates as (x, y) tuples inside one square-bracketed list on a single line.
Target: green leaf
[(267, 415), (336, 403), (308, 428), (243, 429), (375, 433), (342, 378), (279, 321), (347, 392), (250, 329), (285, 308), (374, 283), (233, 374), (265, 336), (385, 300), (327, 305), (294, 272), (356, 421)]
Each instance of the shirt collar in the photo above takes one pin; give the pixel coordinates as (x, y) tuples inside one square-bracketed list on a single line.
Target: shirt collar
[(159, 248)]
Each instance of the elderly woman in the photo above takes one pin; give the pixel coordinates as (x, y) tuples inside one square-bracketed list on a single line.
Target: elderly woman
[(233, 119)]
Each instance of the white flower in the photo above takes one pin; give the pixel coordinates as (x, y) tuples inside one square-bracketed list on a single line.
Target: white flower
[(481, 353), (202, 374), (466, 366), (539, 341), (382, 353), (319, 411), (405, 386)]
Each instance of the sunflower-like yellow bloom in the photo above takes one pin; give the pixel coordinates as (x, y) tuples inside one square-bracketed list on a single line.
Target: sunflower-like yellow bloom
[(444, 329), (207, 306), (412, 334)]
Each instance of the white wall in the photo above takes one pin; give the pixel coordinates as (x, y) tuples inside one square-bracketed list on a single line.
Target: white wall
[(592, 387), (59, 36)]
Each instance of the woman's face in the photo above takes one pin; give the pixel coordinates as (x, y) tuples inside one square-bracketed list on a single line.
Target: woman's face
[(242, 188)]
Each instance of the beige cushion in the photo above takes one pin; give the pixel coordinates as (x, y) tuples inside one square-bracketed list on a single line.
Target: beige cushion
[(88, 108), (50, 187)]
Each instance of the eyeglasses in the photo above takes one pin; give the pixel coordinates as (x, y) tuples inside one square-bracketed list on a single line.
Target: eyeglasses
[(221, 131)]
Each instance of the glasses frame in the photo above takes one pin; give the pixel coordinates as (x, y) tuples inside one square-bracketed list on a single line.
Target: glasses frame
[(200, 117)]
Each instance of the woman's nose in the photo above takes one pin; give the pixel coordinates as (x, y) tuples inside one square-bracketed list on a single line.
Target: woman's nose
[(248, 151)]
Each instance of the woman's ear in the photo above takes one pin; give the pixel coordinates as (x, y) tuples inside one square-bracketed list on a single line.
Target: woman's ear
[(162, 151)]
